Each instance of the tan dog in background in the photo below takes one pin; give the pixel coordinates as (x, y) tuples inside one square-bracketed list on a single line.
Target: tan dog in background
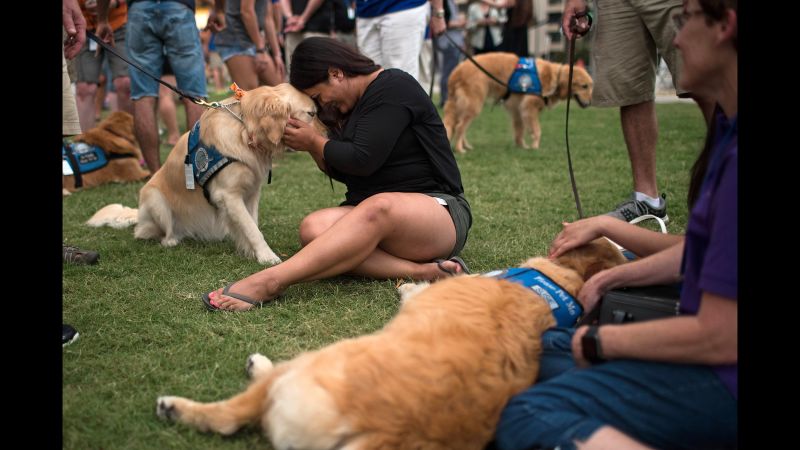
[(468, 87), (115, 136), (170, 212), (436, 377)]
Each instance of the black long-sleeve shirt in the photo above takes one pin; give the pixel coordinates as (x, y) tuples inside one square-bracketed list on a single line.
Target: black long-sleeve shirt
[(393, 141)]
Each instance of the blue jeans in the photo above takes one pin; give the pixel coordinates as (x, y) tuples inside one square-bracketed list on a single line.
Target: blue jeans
[(164, 29), (227, 52), (663, 405)]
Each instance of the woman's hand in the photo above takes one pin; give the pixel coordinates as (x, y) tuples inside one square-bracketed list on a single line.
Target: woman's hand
[(576, 234), (302, 136)]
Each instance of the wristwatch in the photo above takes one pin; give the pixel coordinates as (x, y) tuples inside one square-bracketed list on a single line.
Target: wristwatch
[(439, 14), (590, 342)]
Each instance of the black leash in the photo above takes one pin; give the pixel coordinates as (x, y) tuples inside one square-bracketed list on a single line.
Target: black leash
[(194, 99), (464, 52), (573, 26)]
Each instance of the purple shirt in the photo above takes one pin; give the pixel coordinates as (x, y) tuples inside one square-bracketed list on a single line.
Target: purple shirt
[(710, 261)]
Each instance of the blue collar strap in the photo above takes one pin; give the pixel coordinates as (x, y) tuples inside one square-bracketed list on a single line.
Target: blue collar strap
[(566, 309), (202, 161), (525, 79)]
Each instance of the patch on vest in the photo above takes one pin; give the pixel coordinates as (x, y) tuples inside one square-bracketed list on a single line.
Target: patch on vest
[(525, 79), (566, 310), (88, 157)]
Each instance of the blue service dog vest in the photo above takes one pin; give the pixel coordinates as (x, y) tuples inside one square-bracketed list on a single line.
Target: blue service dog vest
[(525, 79), (202, 162), (566, 309), (87, 158)]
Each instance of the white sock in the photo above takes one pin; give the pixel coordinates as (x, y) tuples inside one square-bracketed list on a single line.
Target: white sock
[(657, 202)]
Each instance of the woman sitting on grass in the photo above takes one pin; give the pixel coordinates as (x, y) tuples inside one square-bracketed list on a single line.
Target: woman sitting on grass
[(404, 213), (671, 382)]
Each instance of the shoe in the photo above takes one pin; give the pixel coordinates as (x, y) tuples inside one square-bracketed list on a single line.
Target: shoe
[(68, 335), (455, 259), (78, 256), (632, 209)]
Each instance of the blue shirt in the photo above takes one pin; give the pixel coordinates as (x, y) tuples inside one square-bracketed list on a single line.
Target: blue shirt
[(710, 262), (375, 8)]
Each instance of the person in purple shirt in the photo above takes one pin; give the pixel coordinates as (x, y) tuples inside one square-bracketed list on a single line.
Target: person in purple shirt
[(665, 383)]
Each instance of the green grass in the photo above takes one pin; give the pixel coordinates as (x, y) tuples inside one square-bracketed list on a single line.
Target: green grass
[(145, 333)]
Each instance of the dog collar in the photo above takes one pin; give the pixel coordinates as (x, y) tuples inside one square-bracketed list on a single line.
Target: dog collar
[(203, 162), (566, 309)]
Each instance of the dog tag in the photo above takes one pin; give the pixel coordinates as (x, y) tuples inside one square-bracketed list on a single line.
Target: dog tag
[(66, 169), (189, 174)]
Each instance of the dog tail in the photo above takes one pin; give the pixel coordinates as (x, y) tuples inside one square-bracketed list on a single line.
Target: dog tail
[(115, 216)]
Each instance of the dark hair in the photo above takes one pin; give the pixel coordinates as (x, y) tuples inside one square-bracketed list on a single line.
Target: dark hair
[(714, 10), (314, 56)]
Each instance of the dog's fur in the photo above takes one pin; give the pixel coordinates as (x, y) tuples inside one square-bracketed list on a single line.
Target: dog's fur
[(170, 212), (468, 87), (436, 377), (115, 136)]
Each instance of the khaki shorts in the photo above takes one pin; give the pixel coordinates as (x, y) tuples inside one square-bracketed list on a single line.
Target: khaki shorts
[(70, 124), (627, 37), (462, 218), (90, 66)]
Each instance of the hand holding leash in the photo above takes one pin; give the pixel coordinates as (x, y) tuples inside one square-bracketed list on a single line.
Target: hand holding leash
[(576, 20)]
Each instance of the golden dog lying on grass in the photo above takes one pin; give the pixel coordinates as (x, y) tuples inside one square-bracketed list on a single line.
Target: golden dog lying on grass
[(436, 376), (169, 211), (115, 136), (468, 87)]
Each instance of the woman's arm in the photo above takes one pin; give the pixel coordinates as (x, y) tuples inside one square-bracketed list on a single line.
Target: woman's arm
[(708, 338), (640, 241), (272, 37), (250, 22)]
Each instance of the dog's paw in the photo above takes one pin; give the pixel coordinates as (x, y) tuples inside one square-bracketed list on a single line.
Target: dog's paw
[(269, 259), (169, 242), (408, 290), (257, 365), (166, 408)]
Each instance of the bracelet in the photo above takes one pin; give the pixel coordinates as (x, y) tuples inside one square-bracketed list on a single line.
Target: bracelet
[(439, 14), (261, 50)]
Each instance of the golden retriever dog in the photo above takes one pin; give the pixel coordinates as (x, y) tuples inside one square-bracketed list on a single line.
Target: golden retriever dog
[(468, 87), (436, 377), (169, 211), (115, 136)]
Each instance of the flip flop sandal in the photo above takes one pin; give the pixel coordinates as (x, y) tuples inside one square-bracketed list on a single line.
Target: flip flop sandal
[(455, 259), (226, 291)]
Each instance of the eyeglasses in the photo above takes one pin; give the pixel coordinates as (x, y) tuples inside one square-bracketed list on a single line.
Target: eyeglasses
[(681, 18)]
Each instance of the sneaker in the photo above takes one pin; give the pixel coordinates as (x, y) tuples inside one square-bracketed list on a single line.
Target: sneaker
[(78, 256), (68, 335), (632, 209)]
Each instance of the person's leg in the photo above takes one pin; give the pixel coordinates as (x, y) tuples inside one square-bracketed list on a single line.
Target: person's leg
[(622, 401), (401, 37), (85, 97), (144, 48), (368, 38), (193, 112), (243, 71), (146, 129), (378, 264), (640, 128), (119, 73), (123, 87), (167, 110), (413, 227)]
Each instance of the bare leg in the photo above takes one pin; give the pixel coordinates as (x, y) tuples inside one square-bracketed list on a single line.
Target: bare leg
[(123, 87), (410, 227), (167, 110), (193, 112), (85, 98), (243, 71), (608, 438), (144, 124), (640, 128)]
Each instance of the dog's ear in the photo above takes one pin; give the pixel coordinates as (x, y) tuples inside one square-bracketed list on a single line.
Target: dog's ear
[(265, 114)]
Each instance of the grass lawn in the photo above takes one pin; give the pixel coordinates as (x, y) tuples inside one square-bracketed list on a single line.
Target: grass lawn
[(144, 331)]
